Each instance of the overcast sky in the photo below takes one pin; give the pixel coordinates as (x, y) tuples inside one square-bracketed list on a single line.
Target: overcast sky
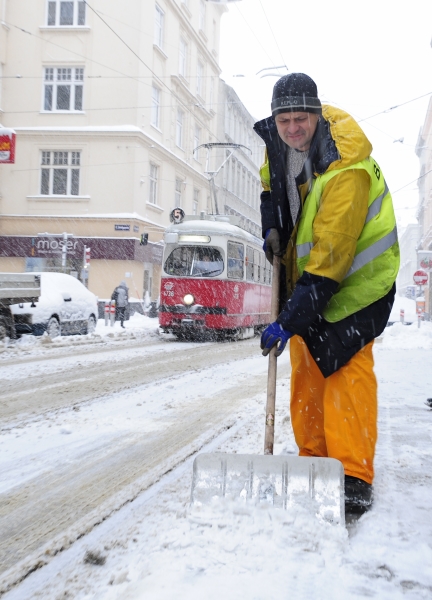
[(365, 58)]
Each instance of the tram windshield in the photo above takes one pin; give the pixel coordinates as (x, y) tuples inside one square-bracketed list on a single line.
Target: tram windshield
[(194, 261)]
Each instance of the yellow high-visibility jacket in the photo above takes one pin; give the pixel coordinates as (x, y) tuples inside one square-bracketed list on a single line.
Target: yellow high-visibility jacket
[(339, 220)]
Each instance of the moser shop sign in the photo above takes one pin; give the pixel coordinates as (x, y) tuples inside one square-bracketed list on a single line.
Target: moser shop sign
[(49, 246), (115, 248)]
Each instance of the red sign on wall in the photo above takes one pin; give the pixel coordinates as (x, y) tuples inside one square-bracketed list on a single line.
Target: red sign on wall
[(420, 277), (7, 146)]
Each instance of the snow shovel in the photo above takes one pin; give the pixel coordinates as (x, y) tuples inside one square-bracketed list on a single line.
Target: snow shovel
[(280, 481)]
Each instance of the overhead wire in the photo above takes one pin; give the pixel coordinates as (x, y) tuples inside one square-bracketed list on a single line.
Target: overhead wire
[(204, 125), (413, 181), (272, 32), (197, 119), (141, 31), (365, 118), (392, 137), (180, 101), (387, 110), (254, 34)]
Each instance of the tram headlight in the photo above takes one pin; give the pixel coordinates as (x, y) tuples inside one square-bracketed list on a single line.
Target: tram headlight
[(188, 300)]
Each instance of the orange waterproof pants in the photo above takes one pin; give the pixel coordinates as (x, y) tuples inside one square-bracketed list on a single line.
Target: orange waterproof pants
[(335, 416)]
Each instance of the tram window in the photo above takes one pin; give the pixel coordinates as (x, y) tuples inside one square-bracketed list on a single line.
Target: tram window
[(249, 263), (263, 273), (194, 261), (256, 266), (235, 260)]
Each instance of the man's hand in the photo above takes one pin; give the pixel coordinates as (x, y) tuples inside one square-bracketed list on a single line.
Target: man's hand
[(271, 244), (274, 335)]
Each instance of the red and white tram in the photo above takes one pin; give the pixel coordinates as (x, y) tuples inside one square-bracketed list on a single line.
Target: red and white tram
[(215, 278)]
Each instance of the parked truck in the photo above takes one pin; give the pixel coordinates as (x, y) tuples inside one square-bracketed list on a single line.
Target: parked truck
[(15, 288)]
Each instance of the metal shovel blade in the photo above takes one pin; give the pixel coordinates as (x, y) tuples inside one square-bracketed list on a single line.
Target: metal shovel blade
[(280, 481)]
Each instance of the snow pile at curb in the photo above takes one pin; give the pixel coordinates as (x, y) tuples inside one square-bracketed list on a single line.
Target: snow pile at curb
[(138, 327), (408, 336)]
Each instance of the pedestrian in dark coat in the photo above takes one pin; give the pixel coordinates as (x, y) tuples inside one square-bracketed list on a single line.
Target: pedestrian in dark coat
[(121, 297)]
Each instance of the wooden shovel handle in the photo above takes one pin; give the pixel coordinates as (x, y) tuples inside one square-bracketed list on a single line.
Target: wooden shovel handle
[(272, 367)]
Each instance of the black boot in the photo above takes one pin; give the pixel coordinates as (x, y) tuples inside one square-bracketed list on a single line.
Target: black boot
[(358, 495), (121, 325), (429, 402)]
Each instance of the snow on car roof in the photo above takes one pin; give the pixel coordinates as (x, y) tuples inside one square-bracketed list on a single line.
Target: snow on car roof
[(215, 226)]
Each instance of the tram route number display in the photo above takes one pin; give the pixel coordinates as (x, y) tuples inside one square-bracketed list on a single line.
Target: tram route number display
[(168, 290)]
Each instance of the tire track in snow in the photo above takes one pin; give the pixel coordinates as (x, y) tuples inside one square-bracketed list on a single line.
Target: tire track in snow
[(47, 514), (41, 393)]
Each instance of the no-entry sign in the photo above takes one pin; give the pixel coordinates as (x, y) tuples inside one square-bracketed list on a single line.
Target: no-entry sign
[(420, 278)]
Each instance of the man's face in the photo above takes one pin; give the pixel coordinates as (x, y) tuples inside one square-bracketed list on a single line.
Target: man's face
[(297, 128)]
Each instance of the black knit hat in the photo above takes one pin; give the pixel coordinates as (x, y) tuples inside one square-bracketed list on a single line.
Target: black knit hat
[(295, 92)]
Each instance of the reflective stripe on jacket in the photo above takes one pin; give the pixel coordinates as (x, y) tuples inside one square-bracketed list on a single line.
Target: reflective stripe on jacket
[(265, 174), (376, 261)]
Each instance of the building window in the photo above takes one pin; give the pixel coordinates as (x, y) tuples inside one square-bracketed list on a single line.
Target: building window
[(199, 79), (179, 128), (178, 192), (60, 173), (159, 26), (64, 14), (155, 109), (197, 140), (183, 47), (233, 176), (195, 204), (215, 36), (153, 183), (211, 93), (63, 89), (202, 15)]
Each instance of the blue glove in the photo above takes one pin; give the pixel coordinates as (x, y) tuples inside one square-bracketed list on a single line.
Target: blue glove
[(274, 334)]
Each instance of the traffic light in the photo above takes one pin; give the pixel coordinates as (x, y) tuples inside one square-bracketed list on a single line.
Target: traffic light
[(144, 239)]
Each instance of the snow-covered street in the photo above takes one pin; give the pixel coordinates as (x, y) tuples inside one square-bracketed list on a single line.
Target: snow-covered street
[(98, 437)]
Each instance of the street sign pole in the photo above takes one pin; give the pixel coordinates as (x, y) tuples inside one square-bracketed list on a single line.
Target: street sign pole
[(420, 278)]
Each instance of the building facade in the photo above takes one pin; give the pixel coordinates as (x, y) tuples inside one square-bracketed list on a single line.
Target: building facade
[(408, 243), (424, 212), (108, 106), (238, 182)]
